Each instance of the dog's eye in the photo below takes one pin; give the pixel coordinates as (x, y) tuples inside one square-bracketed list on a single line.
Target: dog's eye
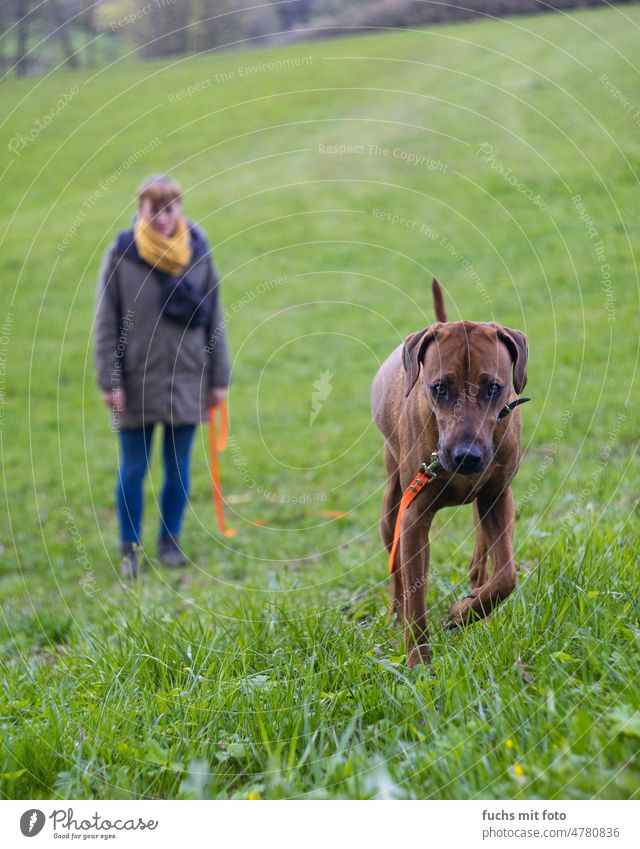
[(493, 390), (439, 390)]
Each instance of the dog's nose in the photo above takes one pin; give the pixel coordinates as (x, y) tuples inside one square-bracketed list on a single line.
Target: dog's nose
[(468, 458)]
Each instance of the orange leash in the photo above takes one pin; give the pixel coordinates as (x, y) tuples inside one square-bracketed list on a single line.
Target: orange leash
[(217, 445), (424, 476)]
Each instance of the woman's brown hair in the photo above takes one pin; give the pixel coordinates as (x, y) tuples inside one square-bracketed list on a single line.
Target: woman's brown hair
[(160, 190)]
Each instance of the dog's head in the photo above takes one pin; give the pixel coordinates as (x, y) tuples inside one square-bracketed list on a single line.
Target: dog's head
[(470, 370)]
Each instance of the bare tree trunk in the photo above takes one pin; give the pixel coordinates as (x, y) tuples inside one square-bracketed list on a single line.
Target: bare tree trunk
[(4, 23), (89, 24), (58, 19), (22, 9), (164, 30)]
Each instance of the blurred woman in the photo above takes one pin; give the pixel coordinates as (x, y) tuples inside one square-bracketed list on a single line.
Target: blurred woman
[(161, 357)]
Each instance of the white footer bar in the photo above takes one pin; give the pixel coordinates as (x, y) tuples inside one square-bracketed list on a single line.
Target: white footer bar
[(320, 825)]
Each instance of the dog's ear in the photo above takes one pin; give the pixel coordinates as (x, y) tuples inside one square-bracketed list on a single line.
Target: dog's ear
[(516, 342), (412, 354)]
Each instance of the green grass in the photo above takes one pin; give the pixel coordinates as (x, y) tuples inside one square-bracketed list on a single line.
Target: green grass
[(268, 667)]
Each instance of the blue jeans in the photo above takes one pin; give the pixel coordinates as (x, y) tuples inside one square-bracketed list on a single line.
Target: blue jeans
[(136, 450)]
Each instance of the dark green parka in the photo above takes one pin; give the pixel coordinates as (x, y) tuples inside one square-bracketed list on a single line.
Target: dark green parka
[(166, 369)]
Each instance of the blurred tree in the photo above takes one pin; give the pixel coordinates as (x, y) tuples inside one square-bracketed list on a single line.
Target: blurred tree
[(166, 27), (90, 25), (61, 14), (214, 23), (293, 13), (20, 11), (160, 28)]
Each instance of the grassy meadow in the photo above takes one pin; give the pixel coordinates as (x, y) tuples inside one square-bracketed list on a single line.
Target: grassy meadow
[(334, 179)]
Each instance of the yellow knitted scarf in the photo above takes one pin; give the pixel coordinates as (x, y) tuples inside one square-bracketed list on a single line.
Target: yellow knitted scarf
[(170, 254)]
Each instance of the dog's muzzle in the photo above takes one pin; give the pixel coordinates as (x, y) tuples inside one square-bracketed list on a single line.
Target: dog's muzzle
[(467, 459)]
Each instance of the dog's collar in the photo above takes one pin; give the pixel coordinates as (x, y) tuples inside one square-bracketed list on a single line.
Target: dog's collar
[(509, 407)]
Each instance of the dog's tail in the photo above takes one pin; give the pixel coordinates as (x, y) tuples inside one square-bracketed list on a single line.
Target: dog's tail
[(438, 301)]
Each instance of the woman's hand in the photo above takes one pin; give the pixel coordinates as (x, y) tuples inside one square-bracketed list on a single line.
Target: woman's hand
[(217, 394), (115, 399)]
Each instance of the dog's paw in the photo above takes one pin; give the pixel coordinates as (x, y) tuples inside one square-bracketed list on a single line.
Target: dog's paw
[(463, 613)]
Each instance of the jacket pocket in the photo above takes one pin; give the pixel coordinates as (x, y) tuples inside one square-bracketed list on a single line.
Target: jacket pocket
[(190, 354)]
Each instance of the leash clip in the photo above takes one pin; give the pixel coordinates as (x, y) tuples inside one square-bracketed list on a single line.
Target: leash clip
[(430, 470)]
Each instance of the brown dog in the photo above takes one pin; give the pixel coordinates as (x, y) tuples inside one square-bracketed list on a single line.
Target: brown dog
[(471, 373)]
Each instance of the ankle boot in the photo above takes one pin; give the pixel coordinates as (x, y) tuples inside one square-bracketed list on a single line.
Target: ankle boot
[(129, 560), (169, 551)]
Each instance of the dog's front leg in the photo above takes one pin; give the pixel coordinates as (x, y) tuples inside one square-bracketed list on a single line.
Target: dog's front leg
[(414, 565), (390, 504), (478, 567), (497, 521)]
